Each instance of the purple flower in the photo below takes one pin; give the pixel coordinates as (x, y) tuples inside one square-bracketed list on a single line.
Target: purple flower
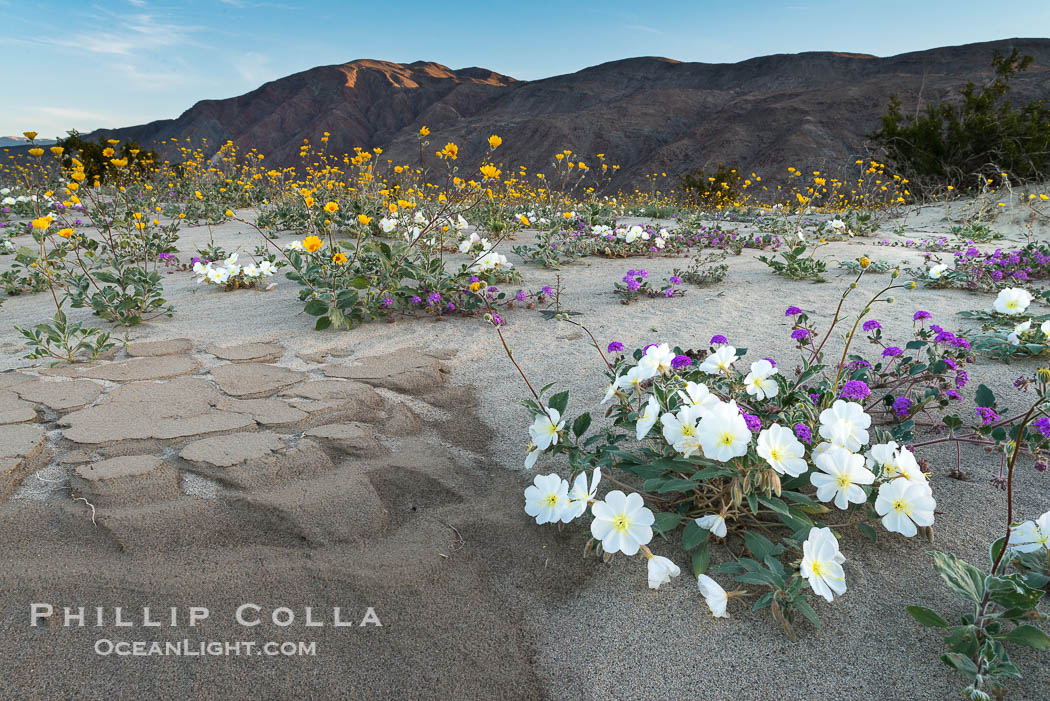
[(961, 343), (669, 292), (387, 302), (800, 335), (945, 337), (892, 352), (615, 347), (521, 296), (1042, 425), (450, 306), (633, 285), (547, 290), (792, 311), (814, 397), (854, 389), (753, 422), (871, 325), (719, 340), (416, 300), (675, 280), (961, 379), (771, 361), (952, 394), (987, 416), (920, 315), (902, 405), (803, 433), (681, 361), (434, 298), (497, 320)]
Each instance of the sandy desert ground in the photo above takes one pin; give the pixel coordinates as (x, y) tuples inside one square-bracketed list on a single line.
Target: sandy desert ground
[(382, 467)]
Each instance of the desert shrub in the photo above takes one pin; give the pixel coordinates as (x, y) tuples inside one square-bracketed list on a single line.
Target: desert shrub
[(719, 187), (953, 143)]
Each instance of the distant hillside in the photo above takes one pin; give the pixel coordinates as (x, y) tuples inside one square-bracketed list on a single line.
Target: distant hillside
[(647, 114)]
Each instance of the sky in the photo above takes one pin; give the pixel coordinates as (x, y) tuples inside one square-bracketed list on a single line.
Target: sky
[(81, 64)]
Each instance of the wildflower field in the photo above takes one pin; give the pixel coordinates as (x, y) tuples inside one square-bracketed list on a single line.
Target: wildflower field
[(785, 433)]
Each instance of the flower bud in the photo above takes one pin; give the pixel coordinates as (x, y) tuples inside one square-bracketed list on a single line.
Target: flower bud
[(864, 261)]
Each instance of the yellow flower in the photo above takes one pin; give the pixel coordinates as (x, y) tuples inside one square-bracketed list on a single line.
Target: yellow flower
[(312, 243), (113, 142), (29, 135), (36, 152), (423, 131), (229, 212), (865, 261), (363, 219), (339, 258), (119, 162), (475, 286), (108, 152), (450, 151), (57, 150), (65, 233), (309, 201), (42, 222), (331, 207), (495, 141), (490, 171)]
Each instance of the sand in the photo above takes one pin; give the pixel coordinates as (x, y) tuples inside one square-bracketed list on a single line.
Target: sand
[(475, 599)]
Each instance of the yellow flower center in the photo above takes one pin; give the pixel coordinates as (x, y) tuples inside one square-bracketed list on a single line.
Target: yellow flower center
[(621, 523), (902, 507), (688, 430), (726, 438), (842, 481), (551, 500), (774, 455), (817, 568)]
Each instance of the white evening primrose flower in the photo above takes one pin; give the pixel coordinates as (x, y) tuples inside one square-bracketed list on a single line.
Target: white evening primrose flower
[(696, 394), (680, 431), (582, 494), (904, 505), (250, 271), (267, 269), (646, 418), (1012, 301), (759, 383), (387, 225), (719, 361), (840, 476), (723, 433), (1045, 328), (217, 276), (714, 595), (531, 456), (547, 498), (716, 523), (883, 455), (905, 465), (294, 246), (779, 447), (610, 391), (634, 377), (1015, 336), (1031, 535), (661, 570), (621, 522), (937, 270), (544, 429), (845, 424), (657, 359), (822, 564)]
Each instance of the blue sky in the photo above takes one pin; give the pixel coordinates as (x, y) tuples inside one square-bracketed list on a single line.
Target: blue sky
[(91, 64)]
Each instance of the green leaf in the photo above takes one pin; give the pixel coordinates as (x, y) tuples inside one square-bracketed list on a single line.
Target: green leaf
[(927, 617), (985, 397), (581, 424), (701, 559), (1030, 636), (760, 546), (316, 307), (962, 663), (559, 401), (803, 606), (693, 535), (323, 322), (961, 577), (666, 521), (869, 532)]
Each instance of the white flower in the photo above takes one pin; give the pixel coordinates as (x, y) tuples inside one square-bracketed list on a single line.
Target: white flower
[(716, 523), (845, 424), (621, 522), (778, 446), (1045, 328), (547, 498), (841, 474), (680, 431), (837, 224), (723, 433), (217, 276), (937, 270), (883, 455), (1012, 301), (719, 361), (657, 359), (822, 564), (697, 394), (1015, 337), (387, 225), (581, 494), (1031, 535), (419, 218), (250, 270), (714, 595), (465, 245), (610, 391), (544, 429), (661, 570), (904, 505), (461, 223), (531, 456), (759, 382), (647, 417), (267, 269), (231, 262), (634, 377)]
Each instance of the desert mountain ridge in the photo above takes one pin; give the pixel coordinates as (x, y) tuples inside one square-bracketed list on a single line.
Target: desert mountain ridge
[(647, 114)]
